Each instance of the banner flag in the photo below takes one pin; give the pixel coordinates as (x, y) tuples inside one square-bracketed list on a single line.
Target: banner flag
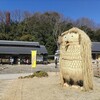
[(33, 58)]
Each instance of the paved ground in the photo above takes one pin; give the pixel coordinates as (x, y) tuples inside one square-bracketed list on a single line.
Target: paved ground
[(12, 76)]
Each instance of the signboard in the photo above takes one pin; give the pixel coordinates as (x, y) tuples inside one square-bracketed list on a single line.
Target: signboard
[(33, 58)]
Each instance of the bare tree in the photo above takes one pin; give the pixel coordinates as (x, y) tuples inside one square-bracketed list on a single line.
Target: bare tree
[(2, 16), (59, 27), (57, 31), (85, 22), (27, 14), (16, 15)]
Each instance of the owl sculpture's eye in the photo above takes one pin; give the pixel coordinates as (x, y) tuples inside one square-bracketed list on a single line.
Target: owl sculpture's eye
[(65, 37), (72, 37)]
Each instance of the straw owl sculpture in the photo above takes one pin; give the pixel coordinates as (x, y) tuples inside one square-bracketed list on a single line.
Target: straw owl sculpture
[(75, 59)]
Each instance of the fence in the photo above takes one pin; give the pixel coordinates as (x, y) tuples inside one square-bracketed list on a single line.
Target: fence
[(96, 68)]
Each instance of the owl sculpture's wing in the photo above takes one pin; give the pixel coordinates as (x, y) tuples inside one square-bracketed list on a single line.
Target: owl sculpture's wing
[(86, 62)]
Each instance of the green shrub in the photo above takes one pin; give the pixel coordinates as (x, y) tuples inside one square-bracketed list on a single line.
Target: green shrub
[(41, 74), (35, 74)]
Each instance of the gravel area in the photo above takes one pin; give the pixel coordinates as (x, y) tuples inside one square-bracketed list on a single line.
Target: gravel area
[(13, 69)]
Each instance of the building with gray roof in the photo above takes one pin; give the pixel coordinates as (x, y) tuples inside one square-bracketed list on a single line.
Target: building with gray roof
[(96, 50), (21, 50), (96, 47)]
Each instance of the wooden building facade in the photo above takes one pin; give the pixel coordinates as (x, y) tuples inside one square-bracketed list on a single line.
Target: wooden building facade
[(20, 52)]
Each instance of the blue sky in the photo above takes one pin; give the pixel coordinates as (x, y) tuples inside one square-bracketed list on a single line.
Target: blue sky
[(69, 8)]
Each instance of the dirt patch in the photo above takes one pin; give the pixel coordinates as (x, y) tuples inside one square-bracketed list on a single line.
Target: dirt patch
[(4, 85), (48, 88)]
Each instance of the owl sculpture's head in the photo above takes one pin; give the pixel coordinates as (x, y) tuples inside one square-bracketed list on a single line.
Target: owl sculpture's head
[(71, 37), (68, 37)]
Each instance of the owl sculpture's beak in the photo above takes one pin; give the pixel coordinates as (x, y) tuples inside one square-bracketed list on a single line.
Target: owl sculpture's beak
[(67, 42)]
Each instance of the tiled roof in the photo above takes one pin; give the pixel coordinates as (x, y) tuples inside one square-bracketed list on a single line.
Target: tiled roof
[(21, 47), (19, 43), (95, 46)]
